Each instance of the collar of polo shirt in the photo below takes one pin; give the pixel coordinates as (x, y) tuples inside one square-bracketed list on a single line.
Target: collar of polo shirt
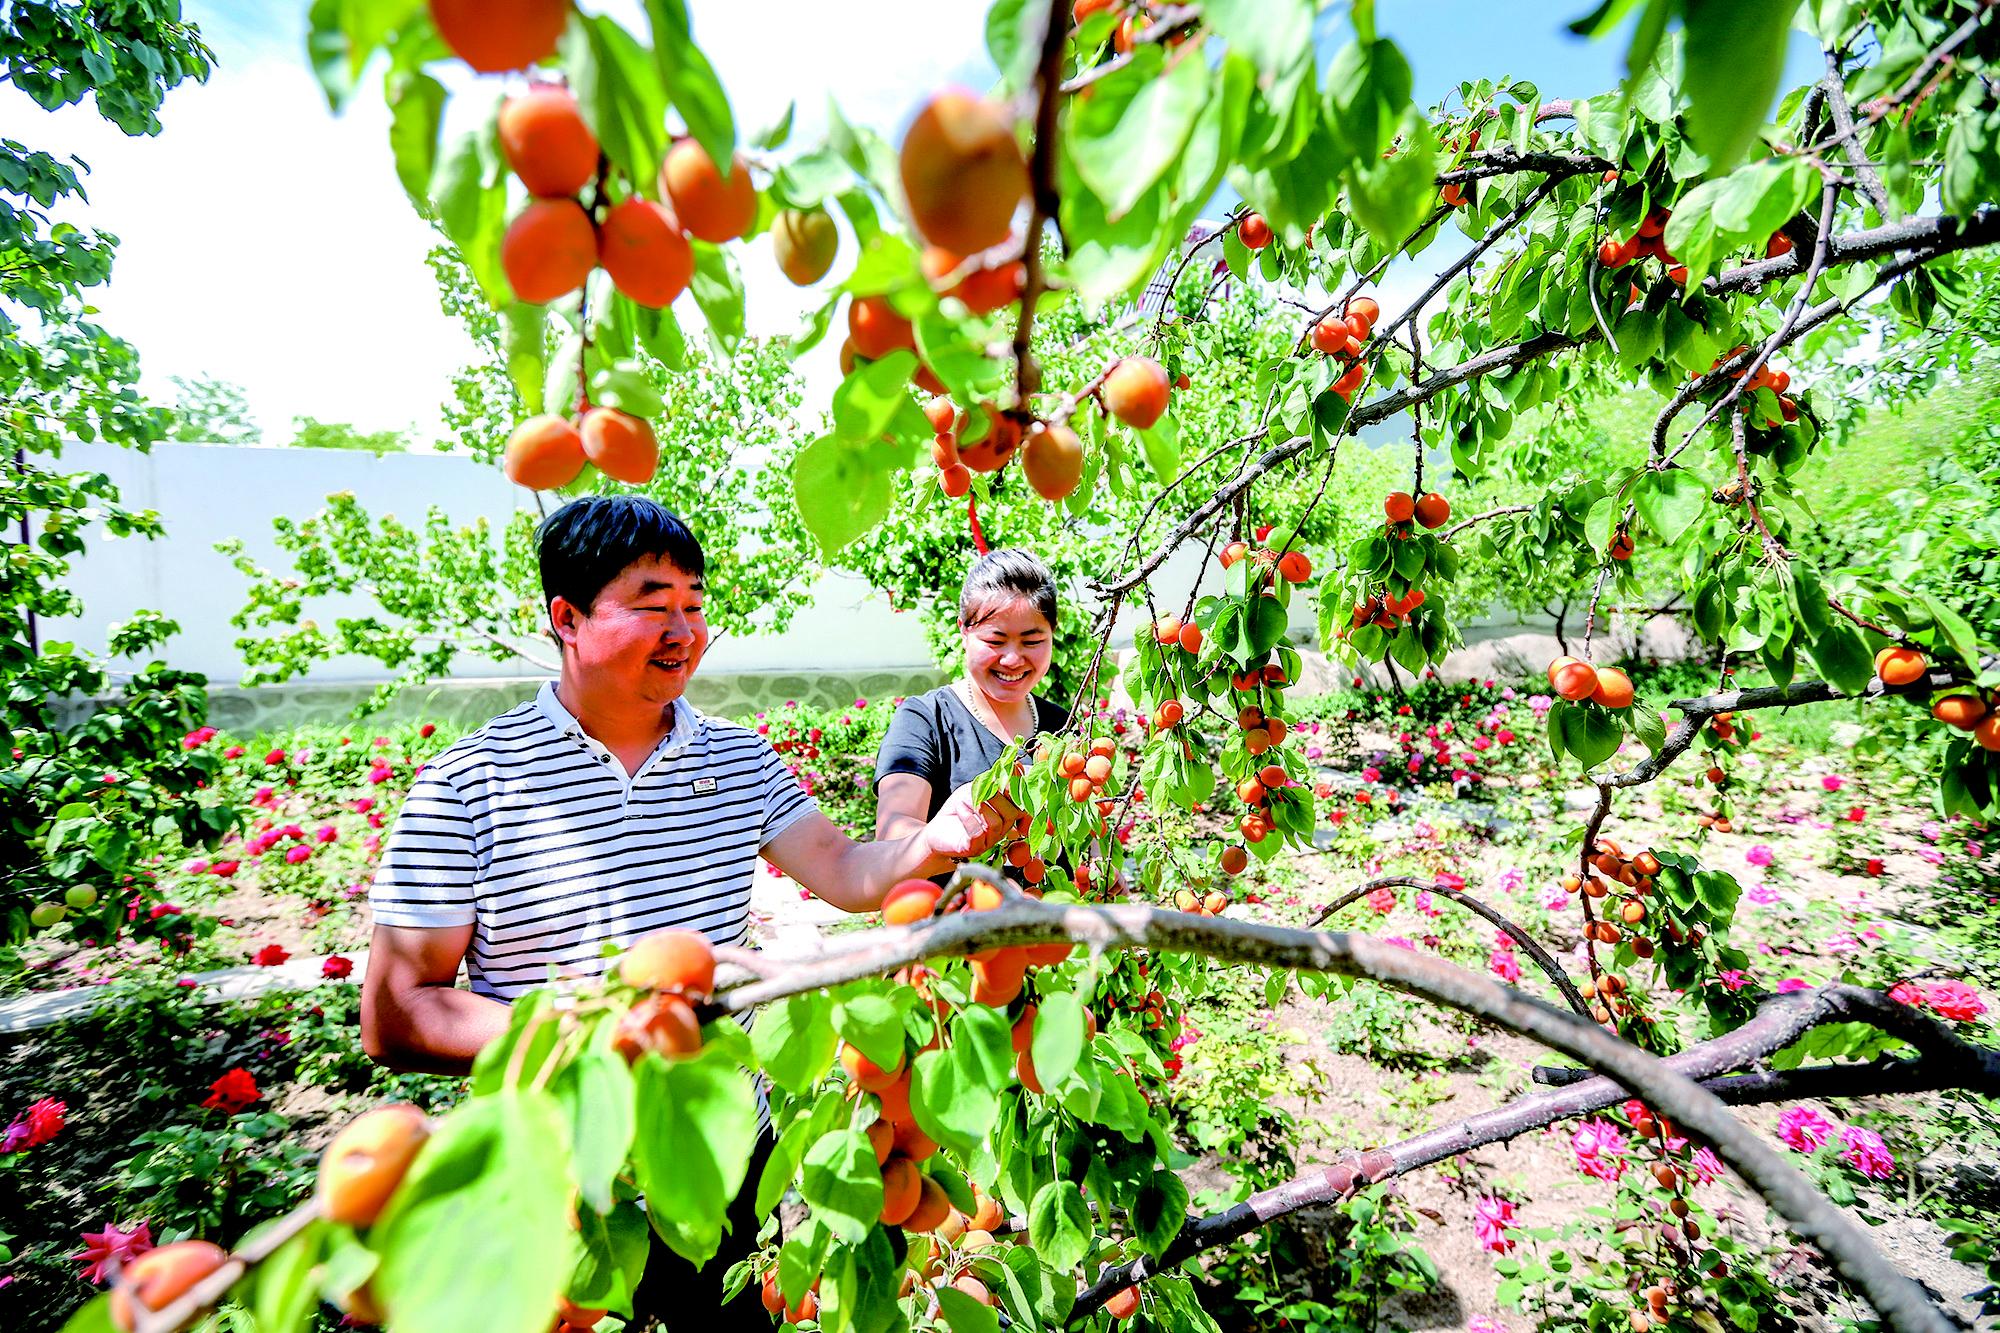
[(687, 723)]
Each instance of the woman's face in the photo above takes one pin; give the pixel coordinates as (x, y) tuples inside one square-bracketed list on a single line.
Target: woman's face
[(1007, 653)]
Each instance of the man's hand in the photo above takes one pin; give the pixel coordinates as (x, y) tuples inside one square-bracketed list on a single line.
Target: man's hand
[(962, 830)]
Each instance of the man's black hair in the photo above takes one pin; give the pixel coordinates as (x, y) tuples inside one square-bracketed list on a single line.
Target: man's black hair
[(590, 541)]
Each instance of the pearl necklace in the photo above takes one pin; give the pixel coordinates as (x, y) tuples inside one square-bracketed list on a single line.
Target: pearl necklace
[(988, 718)]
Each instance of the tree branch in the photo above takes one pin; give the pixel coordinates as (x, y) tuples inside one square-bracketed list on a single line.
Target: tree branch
[(1043, 202)]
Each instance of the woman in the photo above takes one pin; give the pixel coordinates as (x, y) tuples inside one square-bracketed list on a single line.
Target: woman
[(939, 741)]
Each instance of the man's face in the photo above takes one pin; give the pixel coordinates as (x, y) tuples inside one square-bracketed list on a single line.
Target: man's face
[(643, 637)]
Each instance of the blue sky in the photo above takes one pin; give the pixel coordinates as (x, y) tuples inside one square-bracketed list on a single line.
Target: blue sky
[(266, 241)]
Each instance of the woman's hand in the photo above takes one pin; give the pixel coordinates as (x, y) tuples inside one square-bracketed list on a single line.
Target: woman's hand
[(962, 830)]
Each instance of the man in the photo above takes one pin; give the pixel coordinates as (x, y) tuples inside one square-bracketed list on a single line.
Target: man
[(605, 809)]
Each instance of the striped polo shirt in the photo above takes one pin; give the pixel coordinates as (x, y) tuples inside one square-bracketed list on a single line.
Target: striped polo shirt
[(530, 831)]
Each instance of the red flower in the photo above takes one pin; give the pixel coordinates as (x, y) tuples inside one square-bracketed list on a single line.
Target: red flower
[(336, 967), (34, 1126), (105, 1252), (427, 730), (1856, 814), (275, 757), (232, 1092), (1875, 866), (233, 752), (270, 955)]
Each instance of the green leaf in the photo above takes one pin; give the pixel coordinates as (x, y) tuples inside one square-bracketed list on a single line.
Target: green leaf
[(1842, 658), (445, 1265), (617, 88), (1058, 1037), (1159, 1211), (843, 1184), (794, 1040), (718, 290), (1267, 625), (615, 1247), (690, 82), (595, 1093), (469, 193), (1593, 736), (416, 108), (1274, 34), (874, 1023), (1670, 501), (1059, 1226), (1390, 196), (1124, 136), (1692, 235), (521, 343), (951, 1105), (1732, 59), (1957, 632), (1161, 443), (697, 1126), (284, 1293), (1013, 39), (1649, 726), (844, 488), (964, 1314), (1762, 197)]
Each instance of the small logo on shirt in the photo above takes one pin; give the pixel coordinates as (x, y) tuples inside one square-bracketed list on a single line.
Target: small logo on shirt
[(704, 786)]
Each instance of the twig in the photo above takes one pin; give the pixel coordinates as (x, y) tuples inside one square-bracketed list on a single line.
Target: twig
[(179, 1313), (1465, 523), (1167, 23), (1043, 203)]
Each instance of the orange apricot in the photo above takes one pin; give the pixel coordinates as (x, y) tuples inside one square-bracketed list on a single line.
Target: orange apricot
[(1234, 860), (870, 1076), (909, 901), (1613, 688), (882, 1138), (1123, 1303), (621, 445), (1364, 308), (912, 1142), (876, 329), (1346, 385), (902, 1190), (548, 250), (493, 36), (1432, 510), (543, 453), (962, 170), (1053, 461), (677, 960), (955, 480), (1900, 666), (1189, 638), (804, 241), (1330, 335), (365, 1162), (709, 206), (933, 1208), (1575, 681), (1135, 391), (1400, 506), (664, 1023), (159, 1277), (545, 140), (1294, 567), (998, 979), (1253, 231), (1962, 711), (644, 252)]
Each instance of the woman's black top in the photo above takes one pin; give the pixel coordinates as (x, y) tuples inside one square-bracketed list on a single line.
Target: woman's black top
[(936, 737)]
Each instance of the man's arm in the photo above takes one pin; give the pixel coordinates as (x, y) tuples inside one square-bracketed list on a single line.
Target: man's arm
[(854, 876), (413, 1016), (901, 800)]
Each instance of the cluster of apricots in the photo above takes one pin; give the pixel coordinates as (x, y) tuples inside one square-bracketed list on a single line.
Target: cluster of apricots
[(1958, 709), (1088, 770), (1622, 884), (1292, 566), (358, 1173), (982, 440), (1779, 382), (1405, 513), (1452, 195), (549, 451), (1648, 242), (1578, 681), (677, 970), (1342, 337)]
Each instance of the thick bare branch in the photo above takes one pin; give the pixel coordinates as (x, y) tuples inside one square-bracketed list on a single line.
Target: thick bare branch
[(1043, 202)]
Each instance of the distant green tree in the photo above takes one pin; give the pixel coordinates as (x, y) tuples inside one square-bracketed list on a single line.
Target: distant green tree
[(312, 433), (208, 410)]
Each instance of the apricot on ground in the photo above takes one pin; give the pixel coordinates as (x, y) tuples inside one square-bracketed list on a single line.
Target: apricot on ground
[(548, 250), (672, 960), (1135, 391), (545, 140), (645, 254), (621, 445), (543, 453), (365, 1162), (963, 174), (159, 1277), (804, 241), (494, 36), (709, 206)]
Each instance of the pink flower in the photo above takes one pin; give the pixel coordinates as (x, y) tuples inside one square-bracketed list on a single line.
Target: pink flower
[(1371, 774), (1450, 882), (1855, 814), (159, 910), (296, 853), (1874, 866), (275, 757), (1383, 900), (105, 1252), (1504, 966), (264, 796), (1833, 782), (336, 967), (35, 1126), (270, 955), (1491, 1217), (380, 774), (1479, 1323), (232, 1092), (1955, 1000), (1600, 1149), (233, 752), (1399, 942), (1867, 1153), (196, 867), (1790, 984), (1758, 855), (1707, 1166), (326, 833), (364, 805), (1735, 979), (1804, 1129), (1908, 992), (1504, 736)]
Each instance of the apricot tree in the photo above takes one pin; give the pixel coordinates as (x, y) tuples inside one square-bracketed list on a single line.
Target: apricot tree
[(984, 1064)]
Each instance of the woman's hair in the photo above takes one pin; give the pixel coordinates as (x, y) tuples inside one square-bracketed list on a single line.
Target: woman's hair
[(999, 577)]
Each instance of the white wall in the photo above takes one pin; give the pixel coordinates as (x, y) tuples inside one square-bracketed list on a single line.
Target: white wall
[(206, 493)]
